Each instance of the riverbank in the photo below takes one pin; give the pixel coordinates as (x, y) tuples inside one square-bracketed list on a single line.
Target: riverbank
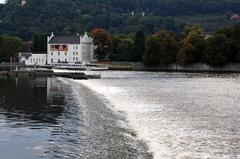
[(195, 67)]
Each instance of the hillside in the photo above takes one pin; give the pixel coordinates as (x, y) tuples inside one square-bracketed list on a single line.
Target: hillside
[(118, 16)]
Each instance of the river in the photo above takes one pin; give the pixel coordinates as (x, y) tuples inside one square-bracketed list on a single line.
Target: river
[(123, 115)]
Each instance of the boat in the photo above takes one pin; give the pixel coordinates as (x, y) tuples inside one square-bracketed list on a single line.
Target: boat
[(96, 67), (70, 66)]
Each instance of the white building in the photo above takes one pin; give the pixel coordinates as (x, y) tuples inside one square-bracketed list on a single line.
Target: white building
[(32, 59), (23, 2), (62, 49)]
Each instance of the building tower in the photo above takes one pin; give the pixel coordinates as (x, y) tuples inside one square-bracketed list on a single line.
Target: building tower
[(23, 2), (86, 48)]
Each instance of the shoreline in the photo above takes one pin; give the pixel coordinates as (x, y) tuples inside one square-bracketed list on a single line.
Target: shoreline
[(191, 68)]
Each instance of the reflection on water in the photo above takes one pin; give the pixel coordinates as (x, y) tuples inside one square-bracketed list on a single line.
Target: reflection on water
[(46, 118)]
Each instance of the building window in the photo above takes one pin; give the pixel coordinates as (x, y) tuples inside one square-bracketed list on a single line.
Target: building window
[(58, 53), (42, 60), (73, 58), (66, 60), (51, 60), (76, 47), (73, 53), (51, 53), (76, 53), (73, 47), (31, 60), (65, 53), (76, 58)]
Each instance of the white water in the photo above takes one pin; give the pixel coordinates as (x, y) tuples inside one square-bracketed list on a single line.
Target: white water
[(182, 116)]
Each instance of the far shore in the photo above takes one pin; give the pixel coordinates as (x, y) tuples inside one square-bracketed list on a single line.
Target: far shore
[(138, 66)]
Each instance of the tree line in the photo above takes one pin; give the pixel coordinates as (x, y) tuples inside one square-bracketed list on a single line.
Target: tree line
[(164, 47), (117, 16), (192, 45)]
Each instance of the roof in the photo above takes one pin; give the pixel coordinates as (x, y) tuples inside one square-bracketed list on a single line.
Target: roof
[(65, 40)]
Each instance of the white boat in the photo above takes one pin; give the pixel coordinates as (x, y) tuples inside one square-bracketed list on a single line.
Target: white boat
[(96, 67), (70, 66)]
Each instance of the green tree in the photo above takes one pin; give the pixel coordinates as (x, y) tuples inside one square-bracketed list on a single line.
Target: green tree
[(168, 47), (218, 49), (192, 45), (138, 48), (233, 33), (152, 54), (9, 47), (122, 47), (103, 42)]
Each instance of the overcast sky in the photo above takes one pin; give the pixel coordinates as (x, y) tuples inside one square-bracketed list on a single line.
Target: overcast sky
[(1, 1)]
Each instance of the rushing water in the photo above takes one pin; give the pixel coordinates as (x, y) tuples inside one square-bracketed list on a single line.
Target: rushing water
[(179, 115), (128, 115)]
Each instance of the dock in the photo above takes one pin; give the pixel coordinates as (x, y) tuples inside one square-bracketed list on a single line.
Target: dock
[(49, 73)]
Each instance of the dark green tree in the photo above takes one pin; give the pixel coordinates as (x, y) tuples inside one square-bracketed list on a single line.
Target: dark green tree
[(152, 54), (9, 47), (168, 47), (138, 48), (218, 49)]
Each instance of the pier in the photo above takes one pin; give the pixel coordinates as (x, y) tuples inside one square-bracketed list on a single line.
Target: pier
[(18, 70)]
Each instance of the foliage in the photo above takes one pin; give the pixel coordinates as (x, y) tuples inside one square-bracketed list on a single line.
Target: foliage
[(138, 48), (168, 47), (161, 49), (39, 43), (117, 16), (122, 48), (9, 47), (218, 49), (152, 54), (103, 42), (192, 46)]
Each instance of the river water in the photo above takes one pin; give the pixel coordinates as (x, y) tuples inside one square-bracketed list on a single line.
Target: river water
[(123, 115)]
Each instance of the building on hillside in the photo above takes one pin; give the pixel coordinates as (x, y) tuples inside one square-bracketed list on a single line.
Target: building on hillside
[(63, 49)]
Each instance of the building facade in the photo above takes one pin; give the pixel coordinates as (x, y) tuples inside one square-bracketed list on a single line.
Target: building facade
[(62, 49), (69, 49), (32, 59)]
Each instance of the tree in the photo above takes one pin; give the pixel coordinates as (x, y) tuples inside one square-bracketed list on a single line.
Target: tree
[(138, 48), (186, 54), (103, 42), (167, 48), (233, 33), (218, 49), (152, 54), (121, 48), (192, 46), (9, 47), (39, 43)]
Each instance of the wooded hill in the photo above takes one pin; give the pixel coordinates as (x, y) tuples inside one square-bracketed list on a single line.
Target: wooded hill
[(117, 16)]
